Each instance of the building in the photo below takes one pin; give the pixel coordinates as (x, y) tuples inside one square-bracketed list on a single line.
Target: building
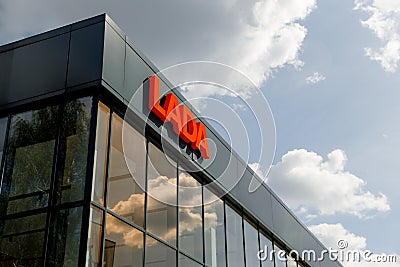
[(68, 196)]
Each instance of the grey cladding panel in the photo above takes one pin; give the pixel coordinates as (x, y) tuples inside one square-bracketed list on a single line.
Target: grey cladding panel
[(291, 231), (34, 69), (257, 202), (114, 59), (222, 164), (136, 71), (86, 55)]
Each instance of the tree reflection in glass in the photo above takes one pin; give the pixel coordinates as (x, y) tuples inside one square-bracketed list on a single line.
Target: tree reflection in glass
[(73, 149), (22, 241), (29, 160), (3, 128)]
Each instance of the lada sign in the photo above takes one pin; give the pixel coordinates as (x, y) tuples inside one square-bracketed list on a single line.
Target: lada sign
[(182, 119)]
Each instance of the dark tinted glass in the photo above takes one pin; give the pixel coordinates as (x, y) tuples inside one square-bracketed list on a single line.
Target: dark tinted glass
[(3, 128), (73, 149), (22, 240), (162, 196), (234, 238), (94, 239), (29, 160), (267, 257), (125, 196), (190, 216), (251, 244), (187, 262), (158, 254), (100, 153), (64, 237), (123, 244), (214, 231)]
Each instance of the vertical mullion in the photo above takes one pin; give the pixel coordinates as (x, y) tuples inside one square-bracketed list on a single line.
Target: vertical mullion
[(226, 235), (145, 200), (273, 248), (244, 239), (53, 180), (5, 150), (88, 182), (105, 176), (177, 213), (259, 242), (202, 218)]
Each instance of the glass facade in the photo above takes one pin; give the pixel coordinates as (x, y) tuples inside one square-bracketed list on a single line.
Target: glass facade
[(43, 182), (234, 238), (143, 210), (251, 244), (267, 257), (154, 213)]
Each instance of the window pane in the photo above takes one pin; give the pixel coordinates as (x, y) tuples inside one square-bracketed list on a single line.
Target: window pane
[(73, 147), (125, 196), (162, 196), (190, 216), (291, 262), (234, 238), (100, 153), (21, 242), (64, 237), (29, 160), (123, 244), (3, 129), (158, 254), (186, 262), (267, 257), (280, 257), (214, 231), (251, 244), (94, 239)]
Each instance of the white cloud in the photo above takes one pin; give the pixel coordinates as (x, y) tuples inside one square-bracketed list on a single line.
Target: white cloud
[(384, 21), (257, 168), (316, 77), (330, 234), (310, 185), (254, 37)]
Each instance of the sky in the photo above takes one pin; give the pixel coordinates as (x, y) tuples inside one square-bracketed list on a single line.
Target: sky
[(329, 70)]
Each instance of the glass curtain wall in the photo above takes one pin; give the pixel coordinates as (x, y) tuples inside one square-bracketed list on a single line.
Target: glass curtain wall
[(214, 230), (169, 225), (267, 257), (251, 244), (42, 188)]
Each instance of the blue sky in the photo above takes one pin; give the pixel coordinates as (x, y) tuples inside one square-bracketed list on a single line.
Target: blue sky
[(329, 71)]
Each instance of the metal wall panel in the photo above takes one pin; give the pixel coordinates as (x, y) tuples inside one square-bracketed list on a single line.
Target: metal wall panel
[(34, 69), (114, 58), (259, 202), (86, 55)]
